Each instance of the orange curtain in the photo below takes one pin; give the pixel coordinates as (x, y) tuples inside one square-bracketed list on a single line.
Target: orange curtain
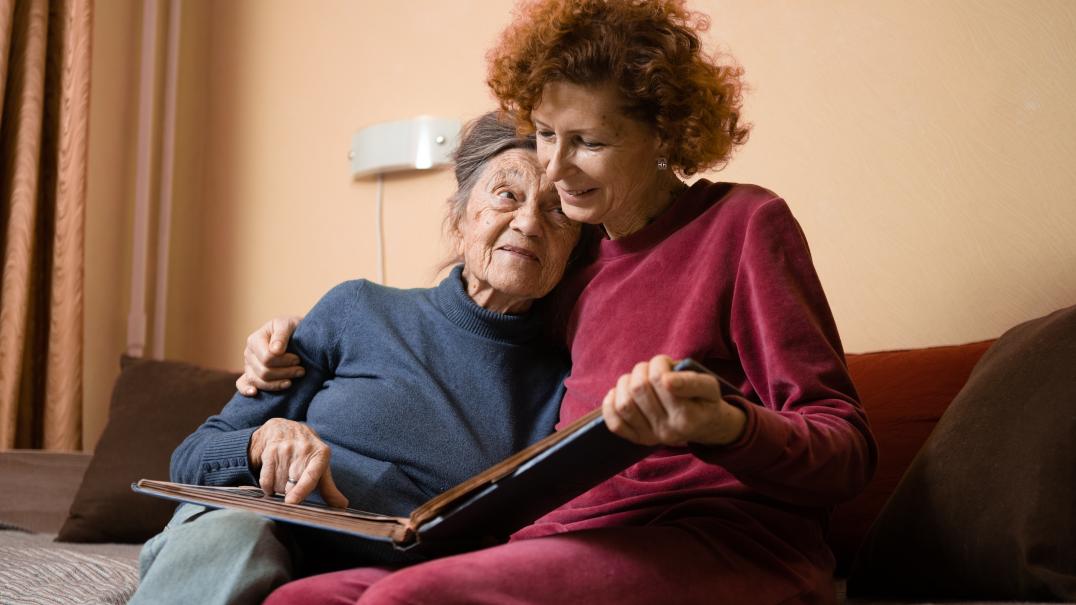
[(45, 86)]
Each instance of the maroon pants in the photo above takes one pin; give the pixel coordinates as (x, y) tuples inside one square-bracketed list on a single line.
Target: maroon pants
[(623, 565)]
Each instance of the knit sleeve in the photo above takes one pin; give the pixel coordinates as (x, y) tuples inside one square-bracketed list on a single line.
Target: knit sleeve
[(809, 442), (216, 453)]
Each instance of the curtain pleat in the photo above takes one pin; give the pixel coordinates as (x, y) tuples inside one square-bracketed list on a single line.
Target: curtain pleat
[(43, 145), (63, 386), (7, 22), (21, 149)]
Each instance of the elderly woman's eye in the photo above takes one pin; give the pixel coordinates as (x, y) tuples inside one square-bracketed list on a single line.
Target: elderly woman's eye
[(557, 212), (507, 195), (591, 144)]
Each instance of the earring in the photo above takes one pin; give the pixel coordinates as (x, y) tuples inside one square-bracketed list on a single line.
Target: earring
[(663, 164)]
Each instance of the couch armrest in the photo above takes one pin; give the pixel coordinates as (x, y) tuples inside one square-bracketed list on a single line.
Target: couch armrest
[(37, 487)]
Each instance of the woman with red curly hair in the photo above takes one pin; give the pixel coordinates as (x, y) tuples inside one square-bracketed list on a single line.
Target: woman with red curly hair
[(733, 507)]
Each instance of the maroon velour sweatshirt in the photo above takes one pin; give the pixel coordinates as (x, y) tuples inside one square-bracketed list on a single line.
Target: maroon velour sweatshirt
[(724, 275)]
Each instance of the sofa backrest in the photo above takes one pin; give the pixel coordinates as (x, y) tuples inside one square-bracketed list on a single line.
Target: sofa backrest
[(904, 394), (36, 487)]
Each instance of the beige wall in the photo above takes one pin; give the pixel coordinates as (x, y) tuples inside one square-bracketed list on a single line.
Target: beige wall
[(927, 149), (279, 220)]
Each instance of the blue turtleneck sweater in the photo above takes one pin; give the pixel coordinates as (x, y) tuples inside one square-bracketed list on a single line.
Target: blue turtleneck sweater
[(413, 390)]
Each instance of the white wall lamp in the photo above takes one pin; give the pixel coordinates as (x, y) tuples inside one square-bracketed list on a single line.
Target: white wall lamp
[(421, 143)]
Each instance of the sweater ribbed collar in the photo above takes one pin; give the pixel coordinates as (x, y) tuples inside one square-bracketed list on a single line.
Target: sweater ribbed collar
[(451, 297)]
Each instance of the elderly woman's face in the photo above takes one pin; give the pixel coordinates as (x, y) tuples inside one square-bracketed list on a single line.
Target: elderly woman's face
[(514, 238), (603, 162)]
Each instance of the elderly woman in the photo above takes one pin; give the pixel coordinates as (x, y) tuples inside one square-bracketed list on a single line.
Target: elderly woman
[(734, 508), (460, 378)]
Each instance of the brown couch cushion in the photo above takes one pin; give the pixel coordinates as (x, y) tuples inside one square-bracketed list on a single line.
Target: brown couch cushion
[(155, 405), (904, 394), (987, 509)]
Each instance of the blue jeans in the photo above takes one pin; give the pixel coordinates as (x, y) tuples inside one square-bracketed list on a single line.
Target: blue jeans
[(212, 556), (228, 556)]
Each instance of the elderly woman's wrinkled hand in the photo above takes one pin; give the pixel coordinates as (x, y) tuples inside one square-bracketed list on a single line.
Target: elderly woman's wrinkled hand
[(266, 364), (293, 461), (655, 405)]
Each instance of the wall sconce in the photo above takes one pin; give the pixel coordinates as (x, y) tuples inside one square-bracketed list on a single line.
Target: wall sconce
[(421, 143), (417, 144)]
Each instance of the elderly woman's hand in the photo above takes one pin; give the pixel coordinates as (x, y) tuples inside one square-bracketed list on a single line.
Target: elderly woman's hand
[(656, 405), (266, 365), (294, 461)]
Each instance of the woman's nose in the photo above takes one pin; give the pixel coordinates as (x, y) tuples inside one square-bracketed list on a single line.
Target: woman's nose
[(527, 220), (559, 164)]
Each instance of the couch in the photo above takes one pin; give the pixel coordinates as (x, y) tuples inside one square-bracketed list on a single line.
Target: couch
[(886, 540)]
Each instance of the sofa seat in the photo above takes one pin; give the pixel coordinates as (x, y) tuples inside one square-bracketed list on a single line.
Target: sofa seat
[(36, 490)]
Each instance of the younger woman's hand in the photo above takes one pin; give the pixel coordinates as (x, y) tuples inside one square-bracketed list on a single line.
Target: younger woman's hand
[(266, 364), (655, 405), (292, 460)]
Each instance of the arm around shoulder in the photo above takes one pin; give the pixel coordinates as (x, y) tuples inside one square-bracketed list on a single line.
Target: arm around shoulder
[(217, 453)]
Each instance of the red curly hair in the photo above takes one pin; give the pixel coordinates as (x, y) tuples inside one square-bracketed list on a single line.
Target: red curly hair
[(649, 48)]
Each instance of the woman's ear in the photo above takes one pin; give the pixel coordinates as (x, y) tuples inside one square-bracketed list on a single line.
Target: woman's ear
[(455, 232), (664, 145)]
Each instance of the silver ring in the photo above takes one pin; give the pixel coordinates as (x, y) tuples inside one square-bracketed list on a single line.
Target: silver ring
[(290, 481)]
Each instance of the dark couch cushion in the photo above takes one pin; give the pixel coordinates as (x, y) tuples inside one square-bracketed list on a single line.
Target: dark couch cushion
[(987, 509), (155, 405), (904, 394)]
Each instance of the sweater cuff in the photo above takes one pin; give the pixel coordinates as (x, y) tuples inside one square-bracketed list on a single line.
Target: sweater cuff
[(760, 446), (224, 459)]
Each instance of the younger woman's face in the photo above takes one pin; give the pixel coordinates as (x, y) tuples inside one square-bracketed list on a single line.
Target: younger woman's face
[(603, 162)]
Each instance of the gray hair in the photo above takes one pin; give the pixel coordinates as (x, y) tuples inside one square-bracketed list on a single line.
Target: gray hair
[(483, 139)]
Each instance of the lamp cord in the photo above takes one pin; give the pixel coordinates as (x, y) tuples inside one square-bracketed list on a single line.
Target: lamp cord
[(380, 229)]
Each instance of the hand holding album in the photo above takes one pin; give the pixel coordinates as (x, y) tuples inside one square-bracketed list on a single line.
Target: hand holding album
[(486, 507)]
